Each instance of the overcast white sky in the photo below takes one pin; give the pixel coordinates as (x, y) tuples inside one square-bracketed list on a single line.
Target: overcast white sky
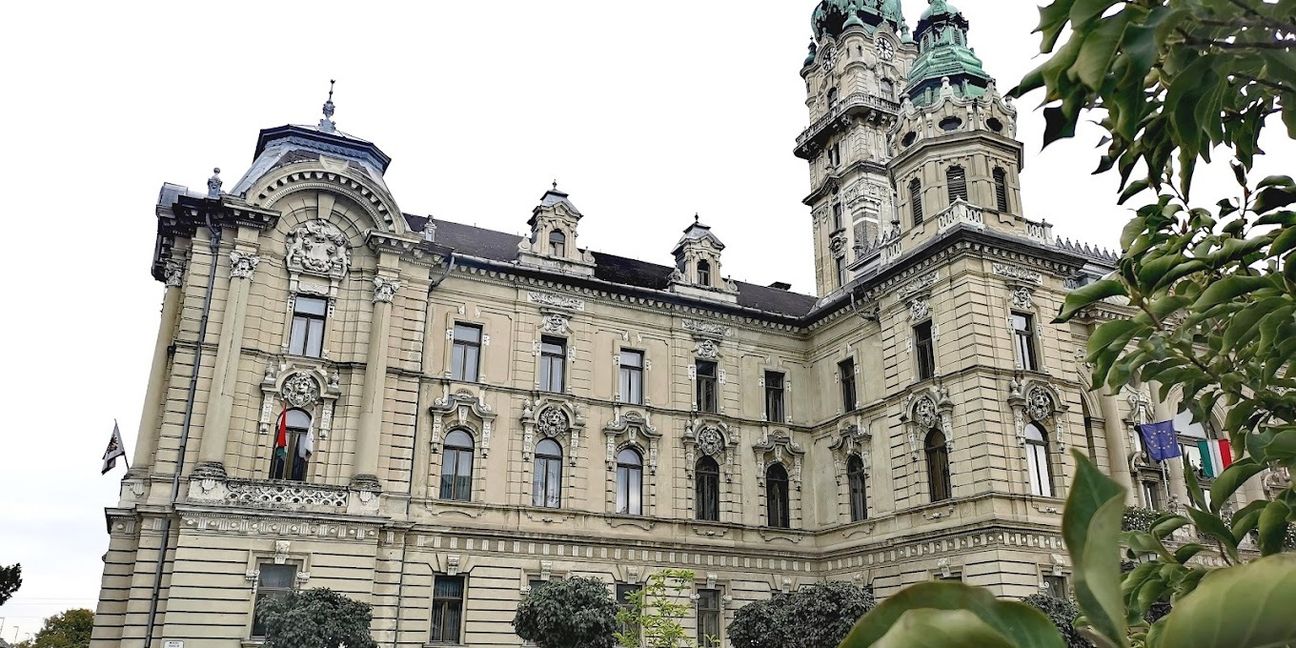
[(644, 112)]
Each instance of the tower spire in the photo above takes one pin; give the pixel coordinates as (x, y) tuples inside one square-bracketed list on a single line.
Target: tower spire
[(327, 124)]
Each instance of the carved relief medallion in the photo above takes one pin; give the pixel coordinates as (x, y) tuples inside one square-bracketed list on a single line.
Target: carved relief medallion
[(318, 247), (301, 390), (553, 422), (709, 441)]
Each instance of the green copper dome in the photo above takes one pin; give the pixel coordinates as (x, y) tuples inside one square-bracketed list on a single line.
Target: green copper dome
[(943, 53), (834, 16)]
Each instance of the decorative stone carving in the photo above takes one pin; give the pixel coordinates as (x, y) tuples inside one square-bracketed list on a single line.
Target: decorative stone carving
[(462, 409), (284, 495), (554, 323), (917, 285), (174, 272), (1018, 273), (634, 429), (851, 440), (557, 301), (385, 289), (553, 422), (301, 390), (318, 247), (1039, 403), (710, 441), (1023, 299), (925, 413), (779, 448), (711, 329), (242, 265), (708, 349), (919, 310)]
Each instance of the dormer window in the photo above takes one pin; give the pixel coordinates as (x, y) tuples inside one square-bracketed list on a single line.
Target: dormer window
[(704, 273), (557, 243)]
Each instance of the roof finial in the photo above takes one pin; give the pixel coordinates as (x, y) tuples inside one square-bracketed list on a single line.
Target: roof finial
[(696, 217), (327, 124), (214, 184), (555, 184)]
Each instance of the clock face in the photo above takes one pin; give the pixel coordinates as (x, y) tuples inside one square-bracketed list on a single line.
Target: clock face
[(885, 49)]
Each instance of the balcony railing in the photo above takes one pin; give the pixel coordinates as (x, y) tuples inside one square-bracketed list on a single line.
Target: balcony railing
[(850, 102), (285, 495), (960, 212)]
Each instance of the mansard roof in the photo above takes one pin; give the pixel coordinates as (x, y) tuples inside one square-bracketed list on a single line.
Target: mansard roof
[(502, 247)]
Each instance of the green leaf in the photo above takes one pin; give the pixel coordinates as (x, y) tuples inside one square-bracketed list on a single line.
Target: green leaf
[(1273, 527), (1248, 606), (1228, 289), (1232, 479), (1020, 625), (1185, 553), (1091, 522), (942, 629), (1271, 198), (1211, 525), (1169, 525), (1085, 295), (1134, 188)]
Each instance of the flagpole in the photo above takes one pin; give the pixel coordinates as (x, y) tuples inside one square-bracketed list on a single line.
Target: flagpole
[(124, 459)]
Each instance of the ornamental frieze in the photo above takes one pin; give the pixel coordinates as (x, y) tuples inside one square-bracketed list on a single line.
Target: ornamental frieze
[(918, 285), (556, 301), (1017, 272)]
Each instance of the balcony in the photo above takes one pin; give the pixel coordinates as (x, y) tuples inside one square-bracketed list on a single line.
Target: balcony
[(852, 104), (961, 212)]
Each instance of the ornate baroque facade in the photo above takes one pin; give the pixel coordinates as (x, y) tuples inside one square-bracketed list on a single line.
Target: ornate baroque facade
[(484, 412)]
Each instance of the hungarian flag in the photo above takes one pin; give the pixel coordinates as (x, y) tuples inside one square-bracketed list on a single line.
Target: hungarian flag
[(281, 437), (1216, 456)]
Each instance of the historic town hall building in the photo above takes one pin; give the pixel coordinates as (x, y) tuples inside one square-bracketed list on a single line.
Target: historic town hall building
[(465, 412)]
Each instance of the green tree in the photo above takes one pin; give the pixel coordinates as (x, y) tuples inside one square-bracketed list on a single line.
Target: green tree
[(656, 611), (316, 618), (71, 629), (1063, 613), (812, 617), (569, 613), (10, 581), (1212, 293)]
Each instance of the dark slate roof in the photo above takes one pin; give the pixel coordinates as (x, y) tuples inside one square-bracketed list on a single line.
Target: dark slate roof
[(503, 247)]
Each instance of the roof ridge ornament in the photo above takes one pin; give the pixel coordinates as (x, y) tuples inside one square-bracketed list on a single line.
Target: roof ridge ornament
[(214, 184), (327, 124)]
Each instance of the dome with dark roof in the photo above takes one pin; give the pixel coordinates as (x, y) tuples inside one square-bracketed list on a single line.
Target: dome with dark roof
[(832, 16), (944, 56)]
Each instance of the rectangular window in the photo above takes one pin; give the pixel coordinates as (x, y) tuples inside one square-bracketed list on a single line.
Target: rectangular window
[(623, 592), (707, 400), (924, 351), (1151, 496), (1024, 341), (447, 609), (307, 336), (1056, 586), (273, 581), (915, 201), (837, 213), (632, 376), (774, 412), (708, 617), (553, 364), (840, 266), (850, 400), (465, 358)]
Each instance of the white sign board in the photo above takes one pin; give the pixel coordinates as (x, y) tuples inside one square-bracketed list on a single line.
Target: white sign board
[(173, 643)]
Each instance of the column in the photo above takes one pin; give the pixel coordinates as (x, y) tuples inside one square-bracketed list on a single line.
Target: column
[(220, 399), (146, 440), (364, 469), (1162, 410), (1118, 447)]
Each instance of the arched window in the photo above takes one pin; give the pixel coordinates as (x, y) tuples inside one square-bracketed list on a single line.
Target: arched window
[(858, 488), (776, 497), (956, 181), (888, 89), (1037, 461), (704, 273), (557, 243), (915, 201), (294, 443), (629, 479), (832, 97), (938, 474), (1001, 189), (546, 482), (457, 466), (706, 500)]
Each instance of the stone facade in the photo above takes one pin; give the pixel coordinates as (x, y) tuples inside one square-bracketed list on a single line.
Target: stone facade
[(377, 373)]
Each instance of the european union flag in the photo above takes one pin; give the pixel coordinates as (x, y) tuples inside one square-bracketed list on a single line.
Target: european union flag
[(1160, 440)]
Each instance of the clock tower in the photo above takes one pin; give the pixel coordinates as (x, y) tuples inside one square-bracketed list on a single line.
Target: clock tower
[(855, 77)]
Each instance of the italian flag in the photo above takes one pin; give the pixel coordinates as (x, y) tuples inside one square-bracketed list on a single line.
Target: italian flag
[(1216, 456)]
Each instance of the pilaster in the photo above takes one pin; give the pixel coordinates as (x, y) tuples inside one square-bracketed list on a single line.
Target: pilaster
[(365, 468), (146, 441)]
